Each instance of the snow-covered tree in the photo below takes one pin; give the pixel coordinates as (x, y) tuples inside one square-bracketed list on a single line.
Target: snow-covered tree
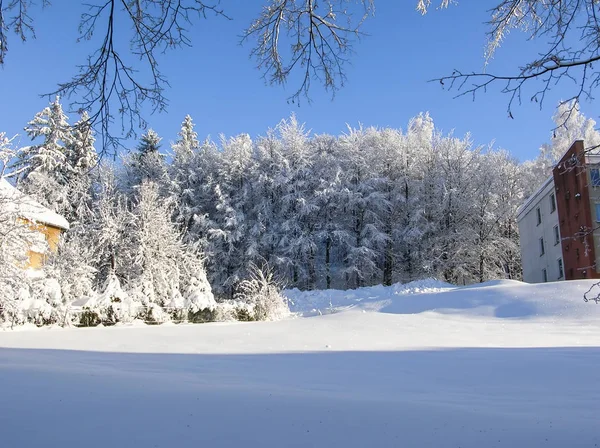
[(44, 168), (232, 190), (153, 239), (187, 142), (49, 156), (81, 152), (571, 124), (161, 265), (147, 164), (15, 238)]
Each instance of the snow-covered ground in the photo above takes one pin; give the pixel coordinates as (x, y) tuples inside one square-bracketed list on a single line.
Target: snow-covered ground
[(419, 365)]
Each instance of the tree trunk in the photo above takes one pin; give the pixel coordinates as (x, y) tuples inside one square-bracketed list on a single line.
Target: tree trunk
[(388, 262), (312, 276), (328, 263)]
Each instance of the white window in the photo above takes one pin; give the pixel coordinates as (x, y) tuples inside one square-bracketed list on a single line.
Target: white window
[(556, 235), (544, 275), (552, 203), (561, 272), (595, 175), (542, 249), (538, 213)]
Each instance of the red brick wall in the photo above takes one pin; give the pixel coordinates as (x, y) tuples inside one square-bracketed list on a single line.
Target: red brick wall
[(574, 214)]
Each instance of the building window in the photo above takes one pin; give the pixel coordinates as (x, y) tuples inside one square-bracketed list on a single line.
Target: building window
[(595, 174), (542, 250), (556, 235), (577, 253), (561, 272), (544, 275), (552, 203), (597, 212), (538, 213)]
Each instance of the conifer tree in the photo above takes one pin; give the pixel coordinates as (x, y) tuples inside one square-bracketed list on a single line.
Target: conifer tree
[(44, 168), (50, 156)]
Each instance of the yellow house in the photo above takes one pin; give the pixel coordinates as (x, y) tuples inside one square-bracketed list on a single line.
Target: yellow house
[(46, 224)]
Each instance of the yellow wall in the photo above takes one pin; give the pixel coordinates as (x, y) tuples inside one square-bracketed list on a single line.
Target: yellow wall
[(52, 237)]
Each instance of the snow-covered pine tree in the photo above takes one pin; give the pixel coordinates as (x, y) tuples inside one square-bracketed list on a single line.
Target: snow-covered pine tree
[(81, 152), (147, 164), (227, 236), (361, 257), (412, 227), (44, 169), (187, 142), (266, 203), (331, 233), (298, 243), (192, 176)]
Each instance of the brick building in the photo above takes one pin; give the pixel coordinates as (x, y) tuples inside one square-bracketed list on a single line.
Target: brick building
[(559, 225)]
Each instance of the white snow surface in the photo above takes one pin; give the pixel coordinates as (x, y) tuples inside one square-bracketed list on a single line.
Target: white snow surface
[(420, 365), (26, 207)]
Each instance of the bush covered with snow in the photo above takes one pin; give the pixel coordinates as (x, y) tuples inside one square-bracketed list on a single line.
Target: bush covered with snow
[(262, 292)]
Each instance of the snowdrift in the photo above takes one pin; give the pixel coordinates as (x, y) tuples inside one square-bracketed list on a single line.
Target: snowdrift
[(498, 299)]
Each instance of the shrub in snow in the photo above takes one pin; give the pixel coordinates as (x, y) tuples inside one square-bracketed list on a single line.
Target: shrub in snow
[(233, 310), (110, 306), (199, 301), (155, 314), (43, 304), (263, 293)]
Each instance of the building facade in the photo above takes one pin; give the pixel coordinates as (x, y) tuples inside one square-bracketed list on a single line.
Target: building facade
[(539, 231), (559, 224)]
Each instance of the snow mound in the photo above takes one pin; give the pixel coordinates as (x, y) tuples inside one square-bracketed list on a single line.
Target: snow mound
[(310, 303), (421, 286), (500, 299)]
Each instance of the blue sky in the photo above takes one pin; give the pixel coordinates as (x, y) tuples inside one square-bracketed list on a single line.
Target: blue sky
[(217, 84)]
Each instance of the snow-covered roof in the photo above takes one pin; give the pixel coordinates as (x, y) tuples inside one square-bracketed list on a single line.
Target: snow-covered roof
[(28, 208), (530, 200)]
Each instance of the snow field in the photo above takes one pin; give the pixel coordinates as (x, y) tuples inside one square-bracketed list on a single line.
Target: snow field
[(499, 364)]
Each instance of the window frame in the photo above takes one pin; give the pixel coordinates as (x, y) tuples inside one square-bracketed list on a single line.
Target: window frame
[(597, 207), (561, 268), (545, 275), (538, 214), (552, 203), (595, 177), (556, 231), (542, 247)]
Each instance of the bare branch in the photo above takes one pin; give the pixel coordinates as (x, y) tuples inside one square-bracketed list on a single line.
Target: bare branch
[(312, 37), (15, 16), (108, 85), (572, 30)]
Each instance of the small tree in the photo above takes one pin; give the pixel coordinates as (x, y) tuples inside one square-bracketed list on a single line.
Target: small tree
[(263, 293)]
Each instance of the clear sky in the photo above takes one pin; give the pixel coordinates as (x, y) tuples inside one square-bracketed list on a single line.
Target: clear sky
[(217, 84)]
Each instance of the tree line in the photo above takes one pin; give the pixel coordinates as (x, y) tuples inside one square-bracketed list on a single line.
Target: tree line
[(172, 227)]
